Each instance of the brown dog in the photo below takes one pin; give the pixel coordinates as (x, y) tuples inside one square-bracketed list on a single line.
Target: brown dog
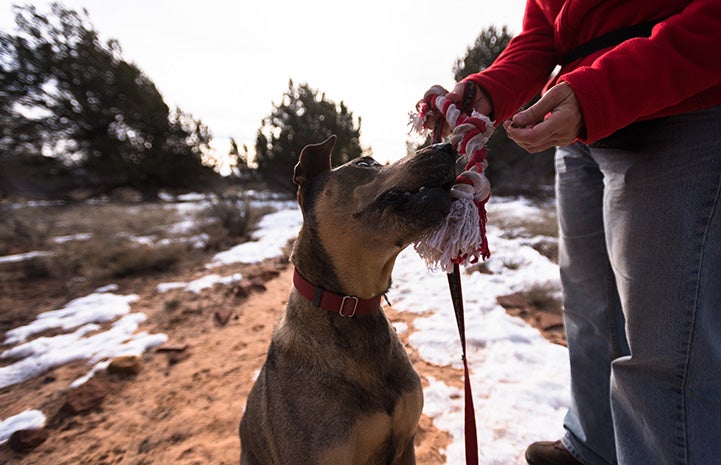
[(337, 387)]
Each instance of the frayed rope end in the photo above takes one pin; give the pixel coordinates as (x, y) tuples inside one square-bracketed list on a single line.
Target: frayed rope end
[(458, 236)]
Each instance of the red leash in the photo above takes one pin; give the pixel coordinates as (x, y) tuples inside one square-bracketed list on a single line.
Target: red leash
[(454, 285)]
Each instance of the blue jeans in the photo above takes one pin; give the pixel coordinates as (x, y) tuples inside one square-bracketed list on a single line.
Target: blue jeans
[(640, 259)]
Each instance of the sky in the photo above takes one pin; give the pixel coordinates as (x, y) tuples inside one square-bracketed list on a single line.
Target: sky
[(520, 381), (228, 62)]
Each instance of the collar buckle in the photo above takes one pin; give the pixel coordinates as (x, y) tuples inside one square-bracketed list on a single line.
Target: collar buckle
[(353, 300)]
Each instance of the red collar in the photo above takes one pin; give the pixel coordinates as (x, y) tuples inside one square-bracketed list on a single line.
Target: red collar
[(344, 305)]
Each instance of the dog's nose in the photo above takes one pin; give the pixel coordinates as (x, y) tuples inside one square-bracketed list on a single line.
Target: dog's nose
[(445, 147)]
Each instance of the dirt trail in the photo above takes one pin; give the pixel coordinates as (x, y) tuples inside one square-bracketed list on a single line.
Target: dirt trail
[(184, 406)]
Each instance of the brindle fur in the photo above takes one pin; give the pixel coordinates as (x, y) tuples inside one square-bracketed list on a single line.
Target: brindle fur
[(336, 390)]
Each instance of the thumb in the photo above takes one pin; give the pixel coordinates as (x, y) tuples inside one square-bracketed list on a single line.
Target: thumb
[(537, 112)]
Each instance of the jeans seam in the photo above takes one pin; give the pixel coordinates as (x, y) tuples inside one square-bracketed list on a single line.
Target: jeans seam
[(612, 326), (697, 281)]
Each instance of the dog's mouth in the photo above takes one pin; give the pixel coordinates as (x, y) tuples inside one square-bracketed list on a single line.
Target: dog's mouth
[(421, 194), (424, 203)]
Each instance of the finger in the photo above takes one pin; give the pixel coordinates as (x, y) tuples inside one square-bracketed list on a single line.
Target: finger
[(433, 91), (536, 138), (457, 93), (536, 112), (532, 114), (432, 120), (481, 103)]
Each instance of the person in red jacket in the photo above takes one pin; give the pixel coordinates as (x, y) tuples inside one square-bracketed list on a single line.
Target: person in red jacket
[(635, 113)]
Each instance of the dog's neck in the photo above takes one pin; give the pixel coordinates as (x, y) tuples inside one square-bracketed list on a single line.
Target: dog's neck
[(348, 272)]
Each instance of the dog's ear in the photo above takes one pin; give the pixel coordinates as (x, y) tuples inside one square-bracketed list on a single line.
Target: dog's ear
[(314, 159)]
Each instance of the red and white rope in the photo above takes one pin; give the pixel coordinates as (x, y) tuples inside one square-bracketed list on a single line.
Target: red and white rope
[(461, 239)]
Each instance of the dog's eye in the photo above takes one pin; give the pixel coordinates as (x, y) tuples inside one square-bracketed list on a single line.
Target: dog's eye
[(366, 163)]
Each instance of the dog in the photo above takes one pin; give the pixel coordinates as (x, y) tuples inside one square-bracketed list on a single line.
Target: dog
[(337, 386)]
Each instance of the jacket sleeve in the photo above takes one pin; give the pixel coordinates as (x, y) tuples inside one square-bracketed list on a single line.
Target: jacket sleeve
[(643, 76), (522, 69)]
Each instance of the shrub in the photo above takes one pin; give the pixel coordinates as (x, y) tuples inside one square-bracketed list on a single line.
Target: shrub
[(543, 296), (231, 218), (99, 259), (233, 213), (22, 230)]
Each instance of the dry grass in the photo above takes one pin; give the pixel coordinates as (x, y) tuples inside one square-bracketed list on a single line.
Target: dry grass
[(24, 230), (115, 240), (540, 229), (543, 224), (543, 297), (100, 260)]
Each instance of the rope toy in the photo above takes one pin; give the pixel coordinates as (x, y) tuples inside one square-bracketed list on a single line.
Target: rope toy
[(461, 239)]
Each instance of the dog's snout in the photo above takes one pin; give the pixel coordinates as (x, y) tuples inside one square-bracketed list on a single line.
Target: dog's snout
[(445, 147)]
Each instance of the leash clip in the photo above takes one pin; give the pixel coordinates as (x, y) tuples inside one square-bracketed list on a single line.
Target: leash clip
[(349, 298)]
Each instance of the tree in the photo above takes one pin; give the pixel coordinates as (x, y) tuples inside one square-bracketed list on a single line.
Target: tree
[(67, 94), (488, 45), (238, 160), (511, 169), (301, 118)]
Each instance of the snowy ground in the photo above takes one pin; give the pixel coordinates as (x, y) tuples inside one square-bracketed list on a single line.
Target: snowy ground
[(519, 379)]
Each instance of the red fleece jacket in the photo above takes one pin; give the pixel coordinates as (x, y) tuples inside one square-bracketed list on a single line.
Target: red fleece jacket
[(675, 70)]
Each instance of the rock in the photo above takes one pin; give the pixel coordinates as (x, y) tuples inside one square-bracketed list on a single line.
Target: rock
[(176, 352), (512, 301), (86, 397), (258, 284), (125, 365), (243, 289), (25, 440), (269, 273), (222, 316), (246, 286), (548, 320), (172, 348), (177, 357)]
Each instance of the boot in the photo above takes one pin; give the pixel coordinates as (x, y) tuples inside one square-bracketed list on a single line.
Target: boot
[(549, 453)]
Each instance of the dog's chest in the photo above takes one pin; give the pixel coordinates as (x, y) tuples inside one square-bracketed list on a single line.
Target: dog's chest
[(379, 438)]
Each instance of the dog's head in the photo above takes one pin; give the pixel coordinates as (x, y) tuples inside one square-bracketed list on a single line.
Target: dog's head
[(365, 212)]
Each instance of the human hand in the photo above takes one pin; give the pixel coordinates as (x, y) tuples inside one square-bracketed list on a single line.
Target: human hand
[(480, 103), (554, 120)]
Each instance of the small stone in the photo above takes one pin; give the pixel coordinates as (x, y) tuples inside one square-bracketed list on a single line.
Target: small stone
[(86, 397), (222, 316), (258, 284), (177, 357), (25, 440), (512, 301), (269, 273), (125, 365), (243, 289), (172, 348), (548, 320)]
